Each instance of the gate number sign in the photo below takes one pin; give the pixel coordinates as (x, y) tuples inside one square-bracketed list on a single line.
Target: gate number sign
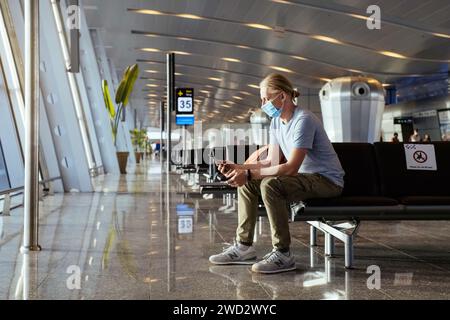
[(185, 101)]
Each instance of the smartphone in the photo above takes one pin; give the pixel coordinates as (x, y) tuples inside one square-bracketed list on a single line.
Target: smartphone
[(217, 162)]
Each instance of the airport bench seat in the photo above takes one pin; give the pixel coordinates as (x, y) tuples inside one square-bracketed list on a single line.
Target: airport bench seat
[(425, 200), (378, 186), (357, 201)]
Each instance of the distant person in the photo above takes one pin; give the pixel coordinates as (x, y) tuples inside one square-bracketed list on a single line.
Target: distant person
[(415, 137), (157, 149), (426, 138), (394, 138)]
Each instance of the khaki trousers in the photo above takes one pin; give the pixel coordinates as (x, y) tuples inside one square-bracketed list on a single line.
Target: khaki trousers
[(277, 193)]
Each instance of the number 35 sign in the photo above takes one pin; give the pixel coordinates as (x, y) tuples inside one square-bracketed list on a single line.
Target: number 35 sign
[(185, 101)]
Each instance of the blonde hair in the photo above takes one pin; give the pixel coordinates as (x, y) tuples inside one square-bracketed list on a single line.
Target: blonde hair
[(278, 82)]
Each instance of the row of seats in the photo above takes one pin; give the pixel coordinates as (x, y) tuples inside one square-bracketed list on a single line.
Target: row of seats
[(201, 160), (377, 181), (378, 185)]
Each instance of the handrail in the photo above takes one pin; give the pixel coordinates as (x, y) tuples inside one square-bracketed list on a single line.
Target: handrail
[(6, 211), (9, 191), (18, 189)]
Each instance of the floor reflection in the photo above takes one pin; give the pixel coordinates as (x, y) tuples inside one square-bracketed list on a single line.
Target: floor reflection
[(314, 277), (149, 236)]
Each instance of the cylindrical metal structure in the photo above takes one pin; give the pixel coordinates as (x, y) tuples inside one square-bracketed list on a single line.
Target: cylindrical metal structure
[(348, 249), (329, 244), (31, 190), (312, 257), (352, 109), (170, 106), (312, 236), (161, 131)]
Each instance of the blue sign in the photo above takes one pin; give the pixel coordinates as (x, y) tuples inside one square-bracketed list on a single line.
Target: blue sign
[(185, 101), (184, 210), (185, 120)]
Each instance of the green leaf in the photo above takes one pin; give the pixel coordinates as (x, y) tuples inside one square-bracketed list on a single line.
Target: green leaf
[(127, 84), (121, 88), (108, 101)]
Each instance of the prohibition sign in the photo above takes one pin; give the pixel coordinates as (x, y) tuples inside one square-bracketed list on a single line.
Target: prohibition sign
[(420, 156)]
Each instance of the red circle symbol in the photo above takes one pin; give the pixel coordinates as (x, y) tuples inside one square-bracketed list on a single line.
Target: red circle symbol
[(420, 156)]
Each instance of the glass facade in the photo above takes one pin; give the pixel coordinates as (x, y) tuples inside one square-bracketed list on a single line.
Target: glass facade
[(4, 180)]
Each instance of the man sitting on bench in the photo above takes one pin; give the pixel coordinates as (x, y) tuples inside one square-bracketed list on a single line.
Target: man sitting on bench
[(312, 170)]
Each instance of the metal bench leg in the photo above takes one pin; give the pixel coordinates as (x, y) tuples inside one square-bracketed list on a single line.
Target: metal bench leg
[(328, 270), (313, 236), (344, 232), (329, 244), (312, 257), (349, 251), (348, 285)]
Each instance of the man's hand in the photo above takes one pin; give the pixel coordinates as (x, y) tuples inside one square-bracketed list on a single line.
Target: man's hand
[(227, 166), (237, 178)]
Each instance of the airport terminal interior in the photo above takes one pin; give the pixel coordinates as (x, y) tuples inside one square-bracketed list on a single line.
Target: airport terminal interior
[(116, 117)]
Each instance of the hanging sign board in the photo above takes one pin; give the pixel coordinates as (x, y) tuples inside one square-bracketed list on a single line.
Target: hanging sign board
[(185, 106)]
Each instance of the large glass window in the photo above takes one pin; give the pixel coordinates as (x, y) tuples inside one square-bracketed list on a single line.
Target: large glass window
[(4, 180)]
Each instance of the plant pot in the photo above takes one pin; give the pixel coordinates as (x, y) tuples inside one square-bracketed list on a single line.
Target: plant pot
[(122, 158), (138, 157)]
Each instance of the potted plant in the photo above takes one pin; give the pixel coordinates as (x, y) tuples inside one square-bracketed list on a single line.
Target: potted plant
[(122, 96), (138, 138)]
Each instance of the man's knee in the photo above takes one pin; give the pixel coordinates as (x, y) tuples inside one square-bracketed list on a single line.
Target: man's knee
[(271, 186), (247, 189)]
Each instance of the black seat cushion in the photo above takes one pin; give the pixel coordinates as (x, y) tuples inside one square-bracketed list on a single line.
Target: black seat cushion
[(358, 162), (425, 200), (344, 201), (396, 181)]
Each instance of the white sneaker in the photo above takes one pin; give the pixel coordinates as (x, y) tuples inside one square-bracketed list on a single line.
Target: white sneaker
[(275, 262), (234, 255)]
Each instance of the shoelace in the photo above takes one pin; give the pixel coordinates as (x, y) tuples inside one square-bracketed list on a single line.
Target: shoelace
[(229, 246), (271, 256)]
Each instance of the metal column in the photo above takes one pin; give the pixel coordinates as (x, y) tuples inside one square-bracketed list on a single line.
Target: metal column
[(31, 191), (312, 235), (170, 106), (161, 131)]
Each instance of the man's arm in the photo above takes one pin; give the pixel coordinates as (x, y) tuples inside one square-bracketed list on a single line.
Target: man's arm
[(274, 157), (258, 155), (289, 168)]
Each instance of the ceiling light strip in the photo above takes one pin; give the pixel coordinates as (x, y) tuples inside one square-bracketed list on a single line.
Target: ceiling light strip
[(292, 55), (361, 16), (322, 38)]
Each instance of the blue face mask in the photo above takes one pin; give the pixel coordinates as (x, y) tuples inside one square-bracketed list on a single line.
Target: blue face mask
[(271, 110)]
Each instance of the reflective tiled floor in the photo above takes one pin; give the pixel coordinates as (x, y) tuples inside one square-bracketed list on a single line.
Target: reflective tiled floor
[(143, 236)]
